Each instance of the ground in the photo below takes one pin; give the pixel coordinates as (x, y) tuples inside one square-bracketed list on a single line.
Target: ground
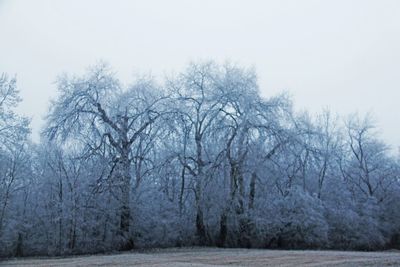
[(203, 257)]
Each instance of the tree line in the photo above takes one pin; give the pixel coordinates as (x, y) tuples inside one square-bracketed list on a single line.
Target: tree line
[(199, 159)]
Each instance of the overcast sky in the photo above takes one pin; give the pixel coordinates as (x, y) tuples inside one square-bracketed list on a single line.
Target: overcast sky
[(344, 55)]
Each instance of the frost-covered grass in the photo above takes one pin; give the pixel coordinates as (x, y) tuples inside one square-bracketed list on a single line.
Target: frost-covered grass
[(220, 257)]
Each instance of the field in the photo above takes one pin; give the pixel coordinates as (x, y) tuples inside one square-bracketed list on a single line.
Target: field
[(203, 257)]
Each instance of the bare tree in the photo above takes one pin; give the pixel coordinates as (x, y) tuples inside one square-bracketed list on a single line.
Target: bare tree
[(200, 101), (14, 131), (97, 106), (368, 169)]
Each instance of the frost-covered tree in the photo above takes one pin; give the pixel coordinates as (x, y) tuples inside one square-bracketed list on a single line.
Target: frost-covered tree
[(96, 107), (14, 131), (207, 161), (200, 100)]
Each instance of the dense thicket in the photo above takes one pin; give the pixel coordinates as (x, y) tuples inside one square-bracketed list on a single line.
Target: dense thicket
[(201, 159)]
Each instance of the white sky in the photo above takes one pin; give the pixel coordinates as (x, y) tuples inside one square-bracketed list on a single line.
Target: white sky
[(341, 54)]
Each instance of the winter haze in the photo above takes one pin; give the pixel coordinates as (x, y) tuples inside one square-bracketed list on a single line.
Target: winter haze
[(206, 128), (338, 54)]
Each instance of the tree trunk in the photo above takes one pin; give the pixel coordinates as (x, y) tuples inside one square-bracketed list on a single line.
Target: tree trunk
[(127, 242), (200, 227), (223, 230), (182, 191), (18, 250), (252, 193)]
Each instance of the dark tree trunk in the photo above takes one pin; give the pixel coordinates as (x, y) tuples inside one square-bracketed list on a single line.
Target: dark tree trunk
[(182, 191), (18, 250), (200, 227), (127, 241), (223, 230), (252, 193)]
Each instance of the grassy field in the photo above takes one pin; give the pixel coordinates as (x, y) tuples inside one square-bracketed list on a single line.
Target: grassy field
[(196, 257)]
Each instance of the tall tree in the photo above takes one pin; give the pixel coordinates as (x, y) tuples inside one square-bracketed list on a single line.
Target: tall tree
[(95, 107), (14, 131), (199, 102)]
